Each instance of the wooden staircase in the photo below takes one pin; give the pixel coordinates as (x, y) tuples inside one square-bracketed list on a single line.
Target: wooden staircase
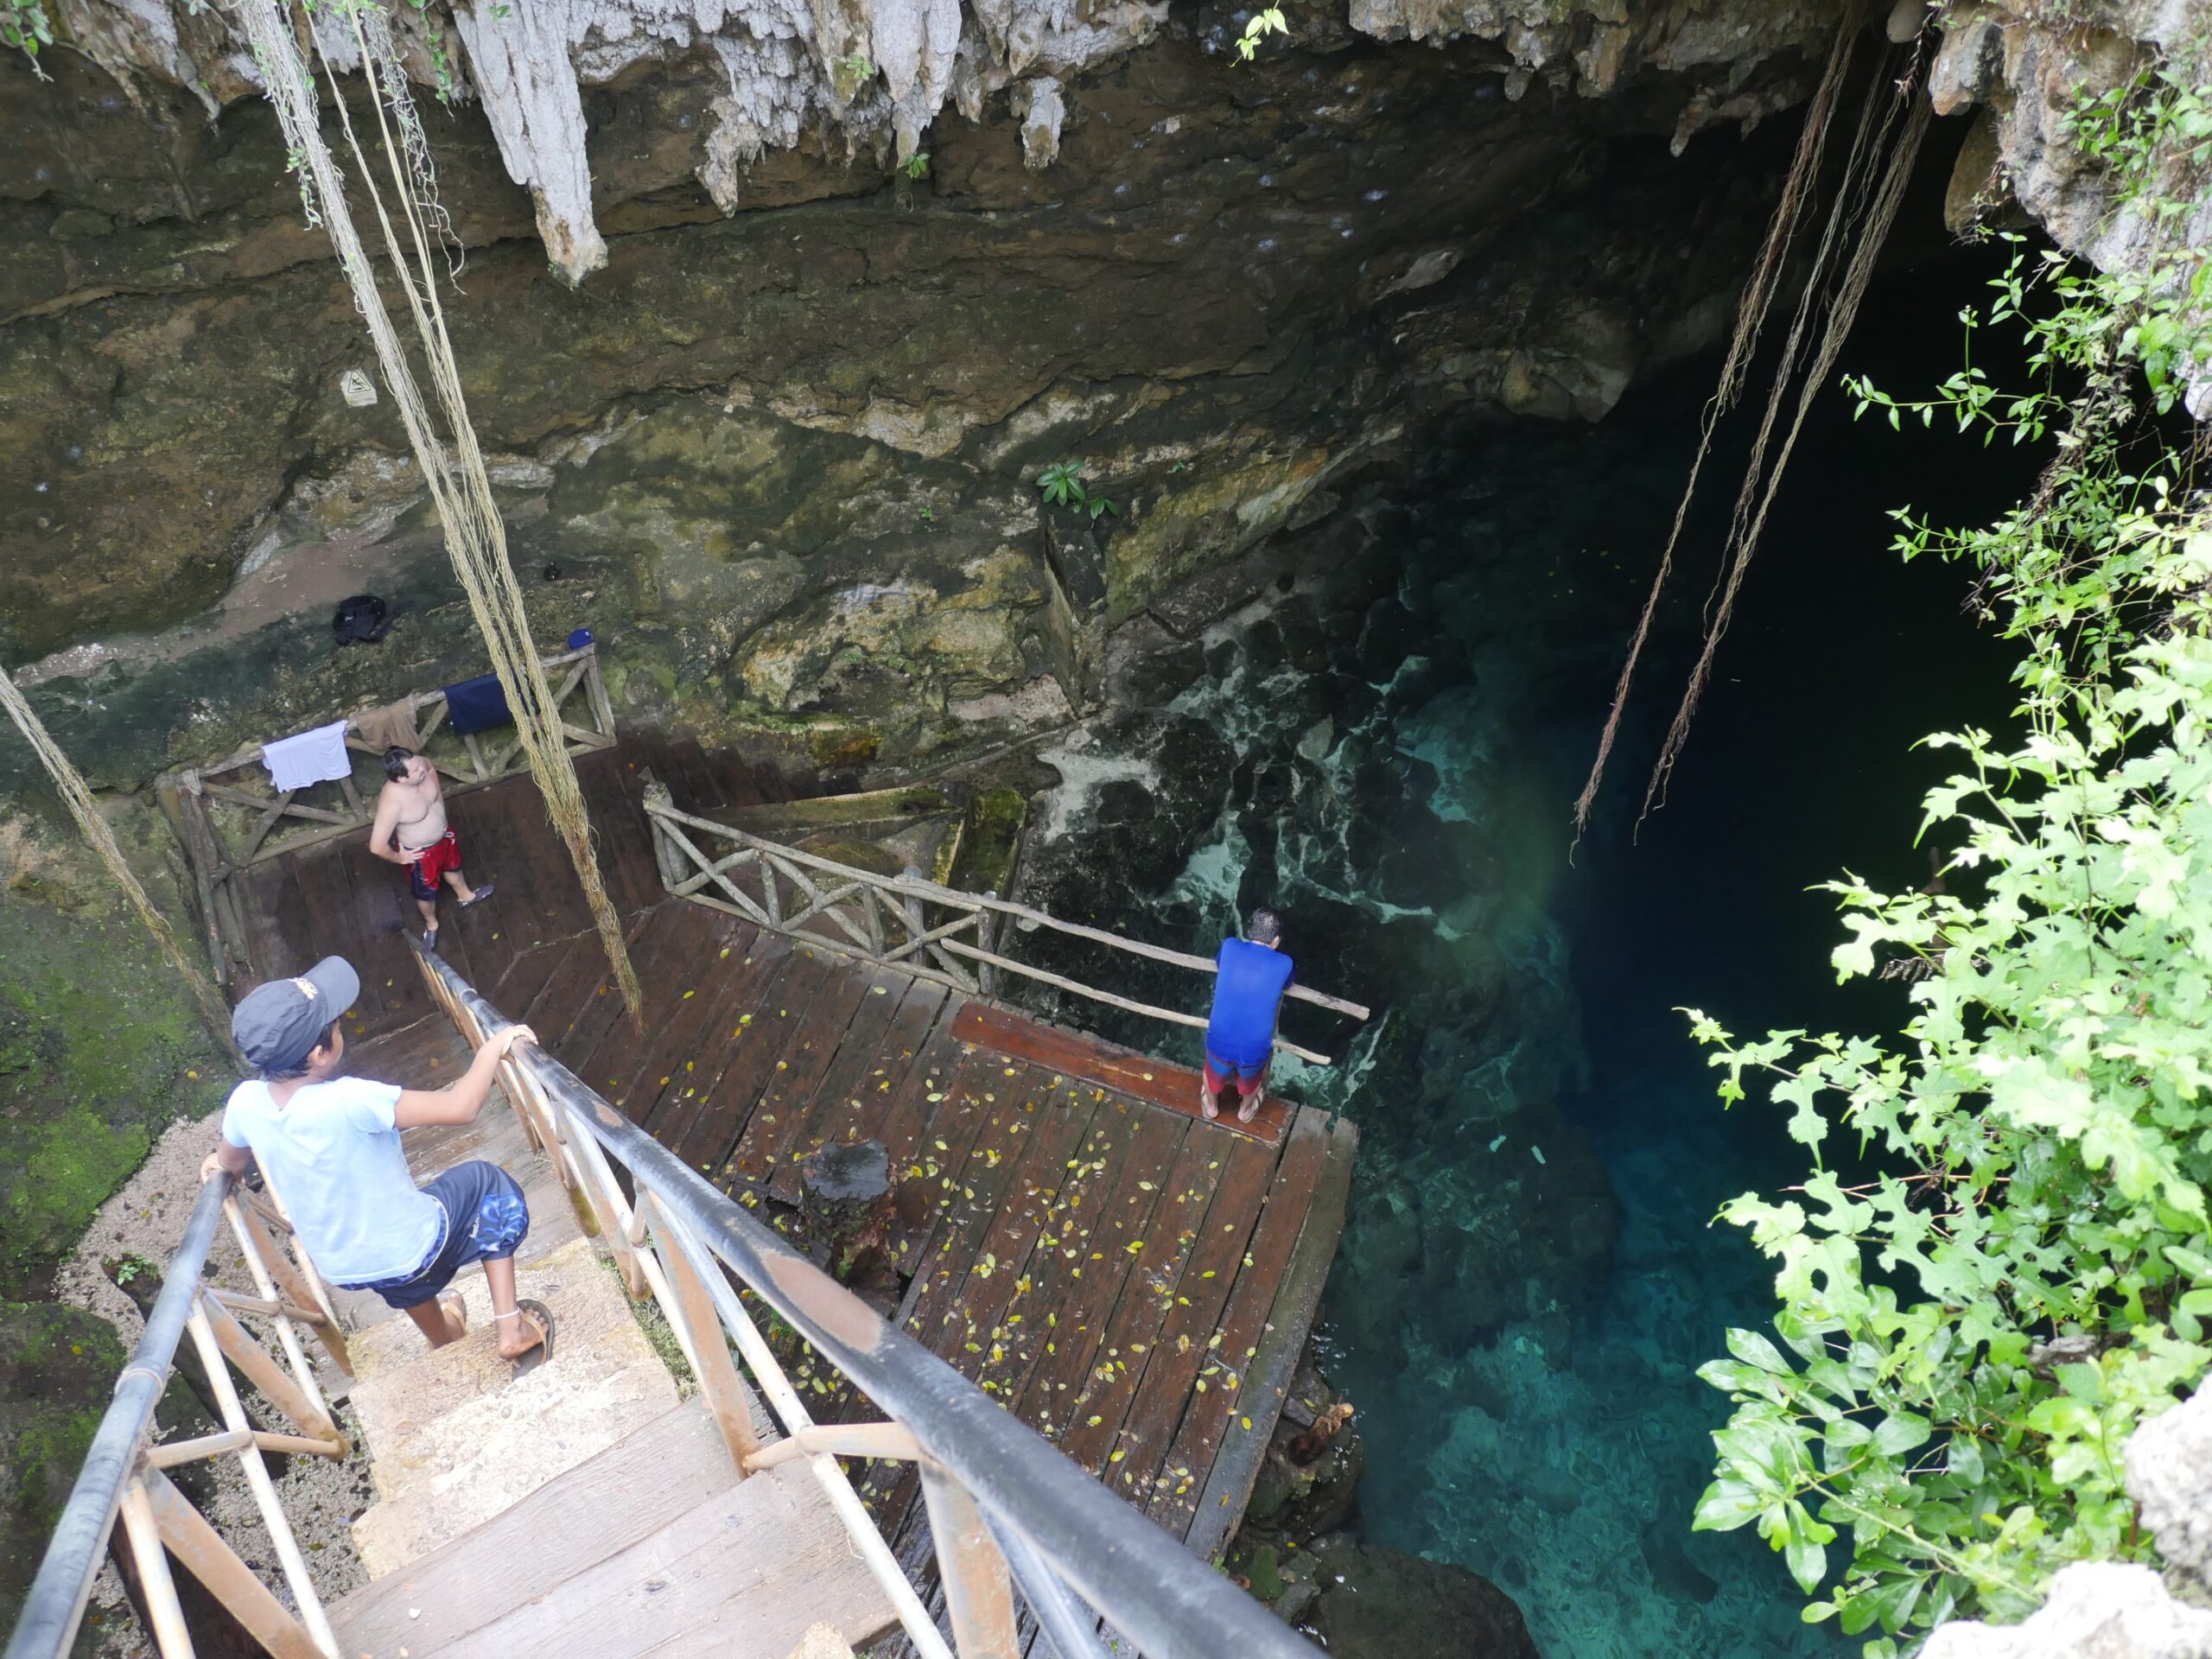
[(583, 1511)]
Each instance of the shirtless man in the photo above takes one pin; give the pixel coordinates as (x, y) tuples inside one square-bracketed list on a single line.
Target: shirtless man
[(411, 829)]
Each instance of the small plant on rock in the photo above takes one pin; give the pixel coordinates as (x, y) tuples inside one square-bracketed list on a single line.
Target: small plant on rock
[(1062, 483), (24, 26), (1268, 20)]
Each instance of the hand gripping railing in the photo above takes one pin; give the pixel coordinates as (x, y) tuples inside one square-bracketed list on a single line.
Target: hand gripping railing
[(123, 1477), (1005, 1505)]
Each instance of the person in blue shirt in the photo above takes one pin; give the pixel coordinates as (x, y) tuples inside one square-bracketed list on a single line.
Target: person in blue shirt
[(1251, 974), (328, 1144)]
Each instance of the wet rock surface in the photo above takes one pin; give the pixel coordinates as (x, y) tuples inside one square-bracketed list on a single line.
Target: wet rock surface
[(57, 1367)]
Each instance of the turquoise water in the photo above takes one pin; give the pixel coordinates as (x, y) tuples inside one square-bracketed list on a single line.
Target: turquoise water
[(1383, 745)]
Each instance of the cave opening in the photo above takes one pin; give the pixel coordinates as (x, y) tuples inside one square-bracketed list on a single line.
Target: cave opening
[(1389, 373)]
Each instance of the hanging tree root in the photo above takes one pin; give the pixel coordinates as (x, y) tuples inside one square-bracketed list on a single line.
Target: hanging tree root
[(459, 485), (1759, 288), (1869, 230), (77, 795)]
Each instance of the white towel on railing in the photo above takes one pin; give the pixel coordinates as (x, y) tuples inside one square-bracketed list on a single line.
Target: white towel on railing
[(315, 757)]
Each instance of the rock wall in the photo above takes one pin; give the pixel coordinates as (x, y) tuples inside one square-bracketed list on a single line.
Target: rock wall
[(777, 448), (2107, 1609), (2026, 67), (874, 75)]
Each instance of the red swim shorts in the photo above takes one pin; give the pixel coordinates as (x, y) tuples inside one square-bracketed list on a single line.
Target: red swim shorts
[(440, 855)]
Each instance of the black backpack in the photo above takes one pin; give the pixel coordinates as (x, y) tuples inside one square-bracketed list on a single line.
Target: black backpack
[(361, 619)]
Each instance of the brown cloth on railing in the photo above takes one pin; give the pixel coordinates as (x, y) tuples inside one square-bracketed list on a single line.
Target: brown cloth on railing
[(389, 727)]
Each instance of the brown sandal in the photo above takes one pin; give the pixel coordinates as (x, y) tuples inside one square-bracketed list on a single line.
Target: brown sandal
[(454, 1306), (541, 1317)]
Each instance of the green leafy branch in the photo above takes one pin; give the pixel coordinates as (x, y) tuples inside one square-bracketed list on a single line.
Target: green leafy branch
[(25, 26), (1972, 1330), (1268, 20)]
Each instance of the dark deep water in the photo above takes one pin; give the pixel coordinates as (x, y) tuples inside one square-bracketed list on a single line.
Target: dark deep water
[(1402, 729)]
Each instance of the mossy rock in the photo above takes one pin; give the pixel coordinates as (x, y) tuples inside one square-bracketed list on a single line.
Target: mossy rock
[(58, 1367), (858, 855), (99, 1049), (990, 837)]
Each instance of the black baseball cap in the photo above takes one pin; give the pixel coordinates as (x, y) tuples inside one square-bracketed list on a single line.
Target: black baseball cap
[(278, 1025)]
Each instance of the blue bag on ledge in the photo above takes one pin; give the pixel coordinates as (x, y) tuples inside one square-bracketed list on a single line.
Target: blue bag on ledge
[(477, 705)]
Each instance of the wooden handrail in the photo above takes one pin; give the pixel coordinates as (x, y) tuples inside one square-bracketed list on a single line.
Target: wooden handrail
[(930, 892), (922, 942), (416, 700)]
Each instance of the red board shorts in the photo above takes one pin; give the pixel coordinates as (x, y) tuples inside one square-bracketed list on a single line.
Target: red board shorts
[(440, 855), (1248, 1077)]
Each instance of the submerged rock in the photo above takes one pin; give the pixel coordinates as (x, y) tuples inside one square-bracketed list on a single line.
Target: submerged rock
[(1379, 1603)]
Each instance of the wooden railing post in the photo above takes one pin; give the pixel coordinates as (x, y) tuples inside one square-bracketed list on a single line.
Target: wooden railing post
[(915, 925), (978, 1592), (718, 1379), (286, 1275), (276, 1386), (666, 859), (987, 973), (872, 910), (601, 707), (189, 1537), (771, 901), (207, 1319), (156, 1586)]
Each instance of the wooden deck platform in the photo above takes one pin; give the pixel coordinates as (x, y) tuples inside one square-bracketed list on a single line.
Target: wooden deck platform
[(1132, 1281)]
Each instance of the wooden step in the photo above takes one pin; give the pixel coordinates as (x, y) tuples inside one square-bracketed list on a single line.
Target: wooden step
[(574, 1522), (742, 1575)]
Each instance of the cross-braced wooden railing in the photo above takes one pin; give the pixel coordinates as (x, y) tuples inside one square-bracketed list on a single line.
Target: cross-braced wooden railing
[(904, 921), (227, 815), (121, 1477), (1007, 1508)]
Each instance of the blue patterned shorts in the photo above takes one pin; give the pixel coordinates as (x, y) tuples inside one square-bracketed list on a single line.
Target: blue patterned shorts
[(486, 1220)]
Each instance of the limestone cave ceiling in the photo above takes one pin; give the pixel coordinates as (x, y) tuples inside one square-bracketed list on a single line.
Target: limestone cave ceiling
[(770, 311)]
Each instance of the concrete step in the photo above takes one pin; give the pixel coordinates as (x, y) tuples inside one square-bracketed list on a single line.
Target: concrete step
[(483, 1458), (403, 1386)]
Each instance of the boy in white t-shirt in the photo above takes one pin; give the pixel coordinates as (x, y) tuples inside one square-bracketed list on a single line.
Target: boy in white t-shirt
[(329, 1146)]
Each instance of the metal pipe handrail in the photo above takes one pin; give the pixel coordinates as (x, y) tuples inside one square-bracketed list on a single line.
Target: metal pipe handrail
[(56, 1602), (1171, 1605)]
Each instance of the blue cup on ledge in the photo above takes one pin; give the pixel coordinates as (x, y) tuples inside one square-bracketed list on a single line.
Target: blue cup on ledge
[(580, 639)]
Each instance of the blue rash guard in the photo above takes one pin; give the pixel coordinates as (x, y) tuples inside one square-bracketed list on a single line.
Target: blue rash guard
[(1245, 995)]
